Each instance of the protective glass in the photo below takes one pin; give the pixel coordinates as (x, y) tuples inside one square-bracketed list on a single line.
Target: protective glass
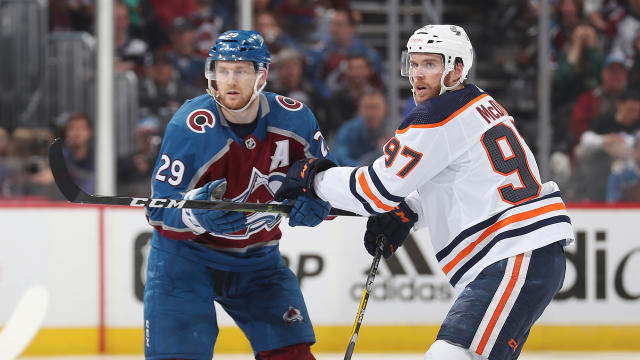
[(426, 67), (227, 73)]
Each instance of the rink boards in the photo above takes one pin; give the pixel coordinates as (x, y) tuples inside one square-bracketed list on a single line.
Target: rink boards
[(93, 260)]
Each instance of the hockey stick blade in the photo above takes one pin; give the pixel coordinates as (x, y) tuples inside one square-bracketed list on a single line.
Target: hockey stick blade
[(368, 288), (24, 322), (75, 194)]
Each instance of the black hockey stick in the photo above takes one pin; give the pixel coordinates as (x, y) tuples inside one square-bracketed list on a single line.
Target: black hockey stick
[(368, 287), (74, 194)]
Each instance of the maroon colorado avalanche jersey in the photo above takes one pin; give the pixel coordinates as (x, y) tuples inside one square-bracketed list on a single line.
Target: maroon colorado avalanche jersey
[(199, 147)]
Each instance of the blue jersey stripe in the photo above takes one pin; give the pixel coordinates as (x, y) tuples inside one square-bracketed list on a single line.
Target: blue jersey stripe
[(352, 187), (502, 236), (483, 225), (381, 189)]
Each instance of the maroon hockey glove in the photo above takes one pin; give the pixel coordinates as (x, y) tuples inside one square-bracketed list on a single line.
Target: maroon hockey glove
[(300, 177), (394, 225)]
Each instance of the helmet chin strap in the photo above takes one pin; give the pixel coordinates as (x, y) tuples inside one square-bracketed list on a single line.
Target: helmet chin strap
[(212, 92)]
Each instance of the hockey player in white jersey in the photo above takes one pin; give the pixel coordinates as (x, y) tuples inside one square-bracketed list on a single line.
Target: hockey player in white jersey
[(458, 166)]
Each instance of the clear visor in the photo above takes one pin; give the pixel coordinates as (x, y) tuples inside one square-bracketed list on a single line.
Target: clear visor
[(229, 70), (426, 66)]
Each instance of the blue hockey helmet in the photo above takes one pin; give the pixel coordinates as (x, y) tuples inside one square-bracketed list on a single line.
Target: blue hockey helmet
[(241, 45)]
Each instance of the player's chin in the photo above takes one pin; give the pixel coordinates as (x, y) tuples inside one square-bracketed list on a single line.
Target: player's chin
[(234, 105)]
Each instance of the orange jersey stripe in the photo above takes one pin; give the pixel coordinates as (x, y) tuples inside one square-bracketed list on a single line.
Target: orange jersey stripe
[(440, 123), (500, 224), (365, 187), (503, 301)]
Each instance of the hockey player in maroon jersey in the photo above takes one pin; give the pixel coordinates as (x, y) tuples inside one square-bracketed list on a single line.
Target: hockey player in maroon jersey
[(458, 166), (240, 142)]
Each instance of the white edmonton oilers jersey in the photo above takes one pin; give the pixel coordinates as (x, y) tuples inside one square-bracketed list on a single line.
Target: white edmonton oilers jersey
[(464, 168)]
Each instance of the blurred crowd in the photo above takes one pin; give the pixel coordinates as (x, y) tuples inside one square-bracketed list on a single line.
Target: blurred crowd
[(319, 59), (595, 91)]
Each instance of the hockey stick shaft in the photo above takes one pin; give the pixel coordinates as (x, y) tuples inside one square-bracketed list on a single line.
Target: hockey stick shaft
[(75, 194), (368, 287)]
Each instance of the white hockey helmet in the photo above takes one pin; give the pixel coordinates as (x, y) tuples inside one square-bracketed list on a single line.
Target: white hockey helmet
[(450, 41)]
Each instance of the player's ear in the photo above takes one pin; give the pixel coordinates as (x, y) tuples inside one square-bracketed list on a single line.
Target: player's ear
[(458, 69), (263, 79)]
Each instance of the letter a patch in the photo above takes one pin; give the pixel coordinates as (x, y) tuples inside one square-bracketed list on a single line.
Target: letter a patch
[(280, 157)]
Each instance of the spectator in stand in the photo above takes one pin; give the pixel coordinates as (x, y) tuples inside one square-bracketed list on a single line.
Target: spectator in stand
[(627, 30), (578, 69), (130, 51), (600, 101), (67, 15), (267, 24), (167, 11), (343, 102), (183, 52), (135, 170), (634, 73), (568, 17), (78, 151), (210, 20), (288, 67), (608, 139), (263, 5), (10, 167), (624, 181), (298, 17), (341, 41), (31, 146), (324, 10), (160, 91), (361, 139), (604, 15)]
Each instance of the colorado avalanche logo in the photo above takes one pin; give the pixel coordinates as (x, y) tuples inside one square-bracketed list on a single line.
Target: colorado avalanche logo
[(261, 189), (292, 315), (198, 119), (288, 103)]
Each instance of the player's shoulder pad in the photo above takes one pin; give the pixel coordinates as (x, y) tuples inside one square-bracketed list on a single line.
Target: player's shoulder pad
[(289, 113), (197, 120), (439, 109)]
